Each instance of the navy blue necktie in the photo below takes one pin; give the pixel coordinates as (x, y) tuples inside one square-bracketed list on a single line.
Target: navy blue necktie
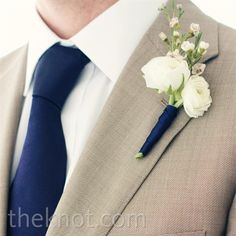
[(40, 177)]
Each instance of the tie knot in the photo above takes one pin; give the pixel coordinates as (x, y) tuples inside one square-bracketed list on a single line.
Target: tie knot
[(57, 72)]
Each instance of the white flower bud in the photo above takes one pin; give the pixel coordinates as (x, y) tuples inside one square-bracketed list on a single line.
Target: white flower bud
[(178, 42), (195, 28), (163, 36), (198, 69), (174, 21), (175, 54), (179, 6), (187, 46), (203, 45), (162, 7), (176, 34)]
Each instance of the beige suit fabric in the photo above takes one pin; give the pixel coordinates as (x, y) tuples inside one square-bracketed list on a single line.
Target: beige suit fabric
[(185, 186)]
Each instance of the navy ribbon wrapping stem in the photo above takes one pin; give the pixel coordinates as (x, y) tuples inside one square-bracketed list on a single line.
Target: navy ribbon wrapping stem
[(164, 122)]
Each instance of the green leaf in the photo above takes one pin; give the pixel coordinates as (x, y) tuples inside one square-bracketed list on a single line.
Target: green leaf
[(181, 87), (177, 95), (173, 4), (179, 103), (181, 13), (198, 39), (197, 60), (169, 91)]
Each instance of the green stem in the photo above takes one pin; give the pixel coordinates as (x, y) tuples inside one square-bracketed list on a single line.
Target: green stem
[(179, 103), (172, 100)]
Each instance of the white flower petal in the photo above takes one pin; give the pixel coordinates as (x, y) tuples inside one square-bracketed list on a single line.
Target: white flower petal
[(162, 72), (187, 46)]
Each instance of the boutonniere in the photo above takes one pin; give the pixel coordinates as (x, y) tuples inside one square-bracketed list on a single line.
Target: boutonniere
[(178, 75)]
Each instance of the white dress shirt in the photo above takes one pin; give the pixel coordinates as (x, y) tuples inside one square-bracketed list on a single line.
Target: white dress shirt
[(108, 41)]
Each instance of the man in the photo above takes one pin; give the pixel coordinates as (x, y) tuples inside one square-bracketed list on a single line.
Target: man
[(74, 113)]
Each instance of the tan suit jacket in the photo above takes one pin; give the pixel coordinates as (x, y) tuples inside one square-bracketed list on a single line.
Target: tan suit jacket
[(186, 186)]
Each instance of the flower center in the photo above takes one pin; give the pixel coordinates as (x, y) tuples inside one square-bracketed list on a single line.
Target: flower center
[(199, 91)]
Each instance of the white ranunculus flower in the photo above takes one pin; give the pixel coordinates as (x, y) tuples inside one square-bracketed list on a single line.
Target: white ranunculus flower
[(196, 96), (195, 28), (162, 72), (187, 46), (174, 21)]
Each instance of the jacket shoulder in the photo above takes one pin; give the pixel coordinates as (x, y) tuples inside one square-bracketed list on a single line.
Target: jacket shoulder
[(12, 59), (227, 39)]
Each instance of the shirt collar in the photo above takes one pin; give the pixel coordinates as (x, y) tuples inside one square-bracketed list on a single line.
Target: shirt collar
[(109, 40)]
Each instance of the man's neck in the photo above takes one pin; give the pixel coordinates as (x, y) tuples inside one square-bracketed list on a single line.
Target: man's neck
[(68, 17)]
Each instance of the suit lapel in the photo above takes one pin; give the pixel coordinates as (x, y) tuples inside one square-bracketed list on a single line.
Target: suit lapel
[(11, 89), (107, 175)]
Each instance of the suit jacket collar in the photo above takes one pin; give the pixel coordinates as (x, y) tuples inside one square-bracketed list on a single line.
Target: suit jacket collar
[(107, 175), (124, 15)]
